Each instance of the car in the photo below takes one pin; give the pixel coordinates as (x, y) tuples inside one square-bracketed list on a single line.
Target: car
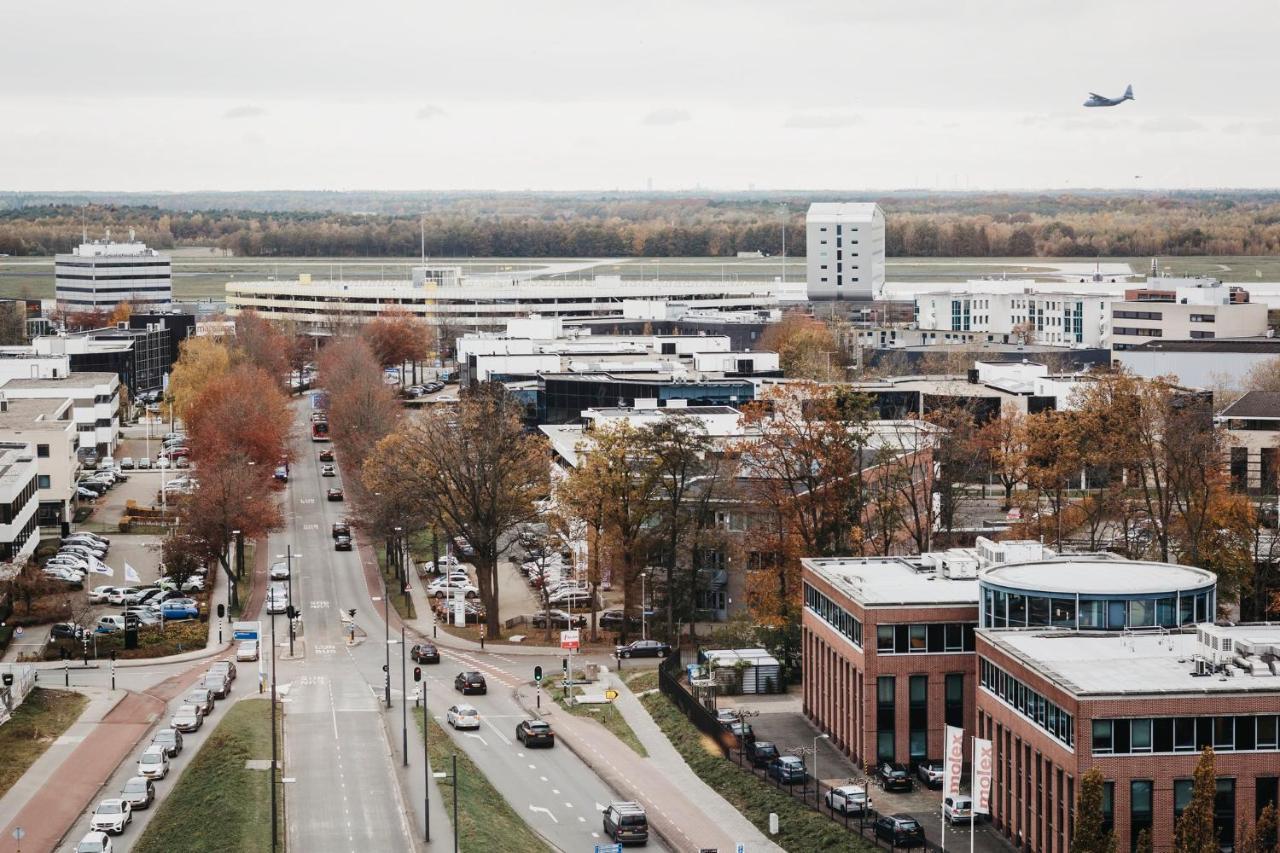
[(178, 609), (100, 594), (326, 455), (139, 792), (187, 719), (144, 463), (741, 729), (424, 653), (463, 717), (281, 474), (334, 494), (760, 752), (169, 739), (94, 842), (109, 624), (163, 462), (224, 668), (277, 601), (280, 570), (900, 830), (201, 698), (930, 773), (727, 716), (148, 596), (570, 597), (644, 649), (83, 551), (127, 463), (626, 822), (247, 650), (535, 733), (470, 682), (848, 799), (112, 816), (341, 528), (612, 620), (86, 494), (957, 808), (328, 471), (445, 588), (558, 619), (788, 769), (217, 683), (893, 777), (154, 762), (58, 573), (138, 595), (86, 537), (464, 547), (117, 597), (342, 543), (181, 462), (65, 631)]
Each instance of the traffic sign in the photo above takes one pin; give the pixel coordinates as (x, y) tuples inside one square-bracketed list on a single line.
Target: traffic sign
[(19, 833), (611, 695), (570, 639)]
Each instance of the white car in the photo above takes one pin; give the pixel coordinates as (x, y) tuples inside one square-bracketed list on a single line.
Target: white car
[(848, 799), (117, 597), (94, 842), (99, 594), (277, 601), (247, 650), (957, 809), (111, 816), (463, 717), (153, 763), (446, 588)]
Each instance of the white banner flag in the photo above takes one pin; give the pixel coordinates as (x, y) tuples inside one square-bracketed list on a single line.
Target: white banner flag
[(131, 575), (952, 761), (982, 767), (100, 568)]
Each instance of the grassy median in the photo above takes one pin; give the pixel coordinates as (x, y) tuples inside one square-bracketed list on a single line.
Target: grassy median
[(801, 828), (606, 715), (486, 820), (38, 722), (217, 804)]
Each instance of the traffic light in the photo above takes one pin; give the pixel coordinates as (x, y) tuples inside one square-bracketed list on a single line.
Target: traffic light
[(291, 612), (564, 665), (222, 610), (352, 613), (537, 674), (417, 673), (384, 667)]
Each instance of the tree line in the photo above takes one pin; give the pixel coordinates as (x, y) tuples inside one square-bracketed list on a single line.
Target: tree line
[(515, 225)]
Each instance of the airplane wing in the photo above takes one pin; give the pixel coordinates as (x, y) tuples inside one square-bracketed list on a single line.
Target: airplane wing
[(1098, 97)]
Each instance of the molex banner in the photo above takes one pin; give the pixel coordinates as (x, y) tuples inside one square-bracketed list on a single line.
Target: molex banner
[(981, 776), (953, 762)]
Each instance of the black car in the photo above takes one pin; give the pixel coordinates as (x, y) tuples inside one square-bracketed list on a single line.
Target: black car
[(342, 543), (341, 528), (65, 631), (894, 777), (425, 653), (644, 649), (535, 733), (326, 455), (470, 682), (788, 768), (761, 752), (900, 830), (335, 494)]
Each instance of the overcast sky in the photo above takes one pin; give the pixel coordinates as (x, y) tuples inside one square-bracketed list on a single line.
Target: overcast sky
[(562, 94)]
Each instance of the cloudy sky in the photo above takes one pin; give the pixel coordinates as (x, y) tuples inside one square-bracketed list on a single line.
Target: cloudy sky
[(563, 94)]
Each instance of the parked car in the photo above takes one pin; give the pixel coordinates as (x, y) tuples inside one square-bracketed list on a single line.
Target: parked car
[(425, 653), (139, 792), (280, 570), (144, 463), (788, 769), (342, 543), (180, 608), (170, 740), (535, 733), (65, 631), (930, 773), (154, 762), (127, 463), (626, 822), (727, 716), (111, 816), (201, 698), (558, 619), (760, 752), (644, 649), (117, 597), (446, 588), (894, 777), (470, 682), (611, 620), (247, 650), (109, 624), (848, 799), (900, 830), (463, 717), (86, 536), (187, 719), (956, 809)]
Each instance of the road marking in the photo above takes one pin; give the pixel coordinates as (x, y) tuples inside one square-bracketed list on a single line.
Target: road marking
[(581, 819), (505, 739), (310, 527), (545, 811), (478, 737), (568, 805), (307, 500), (333, 713), (531, 767), (319, 605), (555, 791), (326, 650)]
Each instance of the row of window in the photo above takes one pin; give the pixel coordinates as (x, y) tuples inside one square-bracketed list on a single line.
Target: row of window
[(1137, 315), (1139, 333), (1015, 610), (1185, 734), (834, 615), (1141, 809), (1027, 702), (1204, 318), (927, 638), (917, 713)]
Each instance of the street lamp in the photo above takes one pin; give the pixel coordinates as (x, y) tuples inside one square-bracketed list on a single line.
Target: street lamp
[(453, 779), (274, 831), (644, 623), (288, 556), (817, 782)]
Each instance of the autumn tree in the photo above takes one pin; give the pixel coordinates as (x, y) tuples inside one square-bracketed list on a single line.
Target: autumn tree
[(1054, 464), (396, 337), (362, 409), (1142, 844), (1194, 830), (262, 344), (1091, 834), (579, 501), (472, 471), (200, 362), (241, 413), (1002, 445), (806, 347)]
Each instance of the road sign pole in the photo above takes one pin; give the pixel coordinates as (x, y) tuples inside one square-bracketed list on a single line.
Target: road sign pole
[(426, 758), (455, 802), (404, 701)]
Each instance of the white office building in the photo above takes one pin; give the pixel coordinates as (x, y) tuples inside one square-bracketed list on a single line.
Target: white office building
[(1014, 312), (845, 250), (98, 276), (1185, 309), (95, 404), (18, 502)]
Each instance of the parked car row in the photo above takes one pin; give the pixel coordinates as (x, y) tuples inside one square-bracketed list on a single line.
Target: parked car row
[(77, 554), (95, 485), (423, 389)]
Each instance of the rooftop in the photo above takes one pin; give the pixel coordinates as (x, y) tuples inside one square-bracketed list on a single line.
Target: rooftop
[(1256, 404), (70, 380), (889, 581), (1096, 664), (1270, 346), (1102, 574), (12, 455), (37, 413)]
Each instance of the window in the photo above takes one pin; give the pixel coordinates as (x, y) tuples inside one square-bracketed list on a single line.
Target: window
[(1266, 792), (885, 747), (831, 613), (1108, 806), (1040, 710), (1102, 737), (955, 699), (42, 450), (1203, 318), (42, 481), (1182, 790), (1224, 813), (1140, 735), (918, 717)]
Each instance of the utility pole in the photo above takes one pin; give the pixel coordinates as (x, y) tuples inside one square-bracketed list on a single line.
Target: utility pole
[(404, 701), (386, 622), (274, 814), (288, 555), (426, 759)]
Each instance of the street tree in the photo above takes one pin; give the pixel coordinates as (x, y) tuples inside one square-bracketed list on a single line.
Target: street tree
[(263, 344), (397, 337), (1194, 830), (1002, 445), (362, 408), (243, 412), (806, 346), (200, 362), (1091, 834)]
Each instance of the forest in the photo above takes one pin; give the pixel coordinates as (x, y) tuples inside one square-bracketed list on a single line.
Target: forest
[(319, 224)]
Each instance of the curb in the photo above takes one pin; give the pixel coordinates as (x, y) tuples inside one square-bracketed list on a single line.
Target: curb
[(99, 663)]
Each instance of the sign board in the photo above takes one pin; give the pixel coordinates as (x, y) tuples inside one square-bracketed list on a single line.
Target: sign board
[(320, 400), (608, 848), (570, 639), (611, 695), (246, 630), (740, 848), (460, 613)]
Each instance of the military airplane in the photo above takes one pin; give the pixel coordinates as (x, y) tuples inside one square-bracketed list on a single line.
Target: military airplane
[(1096, 100)]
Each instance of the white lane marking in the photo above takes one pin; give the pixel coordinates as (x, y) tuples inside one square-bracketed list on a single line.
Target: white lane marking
[(478, 737), (333, 712), (581, 819), (505, 739), (555, 791), (310, 527), (568, 805), (545, 811), (531, 767)]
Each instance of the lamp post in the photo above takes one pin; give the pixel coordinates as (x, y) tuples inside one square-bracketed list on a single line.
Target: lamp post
[(386, 622), (288, 556), (817, 782), (644, 622), (274, 813), (404, 701)]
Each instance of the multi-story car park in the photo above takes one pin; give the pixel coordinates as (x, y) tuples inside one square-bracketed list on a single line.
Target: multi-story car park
[(1076, 662)]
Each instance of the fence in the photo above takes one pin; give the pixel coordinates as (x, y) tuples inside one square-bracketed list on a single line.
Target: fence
[(23, 679)]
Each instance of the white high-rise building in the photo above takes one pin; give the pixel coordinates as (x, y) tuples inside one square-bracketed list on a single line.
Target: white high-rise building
[(98, 276), (845, 250)]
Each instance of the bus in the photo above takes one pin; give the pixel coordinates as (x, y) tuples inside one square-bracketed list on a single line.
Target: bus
[(320, 431)]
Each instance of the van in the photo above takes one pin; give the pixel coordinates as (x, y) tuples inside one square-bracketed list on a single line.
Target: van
[(626, 822)]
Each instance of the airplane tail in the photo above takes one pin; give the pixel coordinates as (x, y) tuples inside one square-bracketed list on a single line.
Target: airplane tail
[(1128, 92)]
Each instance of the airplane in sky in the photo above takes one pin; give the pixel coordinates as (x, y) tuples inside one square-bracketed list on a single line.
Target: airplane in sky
[(1096, 100)]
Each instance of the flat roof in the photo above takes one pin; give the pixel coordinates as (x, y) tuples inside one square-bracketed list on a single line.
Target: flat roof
[(88, 378), (1256, 345), (13, 454), (890, 581), (1098, 664), (35, 413), (1097, 575)]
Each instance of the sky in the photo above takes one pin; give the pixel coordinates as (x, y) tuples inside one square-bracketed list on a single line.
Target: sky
[(151, 95)]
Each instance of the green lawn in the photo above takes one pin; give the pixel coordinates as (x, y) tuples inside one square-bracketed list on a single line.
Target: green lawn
[(217, 804), (640, 680), (607, 716), (37, 723), (401, 602), (486, 821), (801, 827)]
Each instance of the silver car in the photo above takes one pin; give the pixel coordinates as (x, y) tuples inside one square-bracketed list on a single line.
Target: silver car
[(139, 792)]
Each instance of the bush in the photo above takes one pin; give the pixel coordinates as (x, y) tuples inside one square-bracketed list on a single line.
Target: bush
[(177, 637)]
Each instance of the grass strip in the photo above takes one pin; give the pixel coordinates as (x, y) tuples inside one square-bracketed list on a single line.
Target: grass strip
[(641, 680), (486, 821), (606, 715), (217, 804), (801, 828), (38, 722), (401, 601)]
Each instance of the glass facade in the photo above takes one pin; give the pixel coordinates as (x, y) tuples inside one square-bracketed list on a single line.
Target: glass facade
[(918, 717), (1027, 702), (885, 718), (925, 638), (1003, 608), (833, 614), (1248, 733)]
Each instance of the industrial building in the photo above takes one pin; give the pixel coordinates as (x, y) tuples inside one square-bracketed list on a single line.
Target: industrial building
[(844, 243), (99, 275)]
